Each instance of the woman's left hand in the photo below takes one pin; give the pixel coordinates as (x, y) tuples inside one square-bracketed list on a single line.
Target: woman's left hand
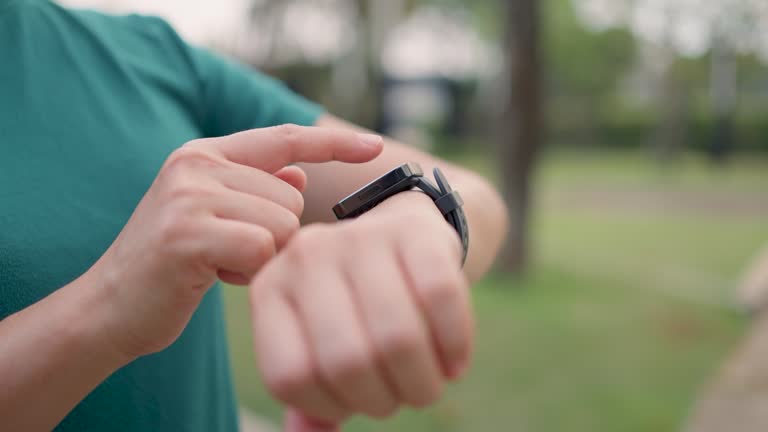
[(363, 317)]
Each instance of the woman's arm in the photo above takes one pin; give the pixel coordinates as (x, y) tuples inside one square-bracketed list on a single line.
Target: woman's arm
[(53, 354), (219, 207), (486, 213)]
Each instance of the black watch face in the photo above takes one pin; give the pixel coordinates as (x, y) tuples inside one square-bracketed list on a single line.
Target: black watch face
[(395, 181)]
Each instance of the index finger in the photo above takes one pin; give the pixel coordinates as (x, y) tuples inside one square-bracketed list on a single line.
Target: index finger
[(271, 149)]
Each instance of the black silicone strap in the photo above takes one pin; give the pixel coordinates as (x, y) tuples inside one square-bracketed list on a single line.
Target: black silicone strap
[(449, 202), (403, 178)]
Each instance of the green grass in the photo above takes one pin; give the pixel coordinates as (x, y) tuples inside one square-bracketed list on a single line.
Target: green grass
[(745, 173), (623, 317)]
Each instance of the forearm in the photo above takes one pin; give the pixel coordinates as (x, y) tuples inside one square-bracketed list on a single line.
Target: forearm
[(486, 213), (52, 356)]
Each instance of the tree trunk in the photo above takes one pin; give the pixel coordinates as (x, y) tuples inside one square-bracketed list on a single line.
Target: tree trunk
[(383, 16), (520, 125), (724, 83), (673, 108)]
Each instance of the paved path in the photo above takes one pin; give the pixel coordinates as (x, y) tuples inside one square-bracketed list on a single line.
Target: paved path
[(640, 200), (737, 400)]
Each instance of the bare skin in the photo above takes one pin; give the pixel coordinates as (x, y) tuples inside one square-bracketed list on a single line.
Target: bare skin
[(337, 333), (407, 225)]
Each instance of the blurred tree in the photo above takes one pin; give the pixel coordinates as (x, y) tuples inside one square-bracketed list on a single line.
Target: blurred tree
[(377, 19), (521, 124), (726, 29), (485, 15), (583, 71), (724, 88), (350, 83), (673, 101)]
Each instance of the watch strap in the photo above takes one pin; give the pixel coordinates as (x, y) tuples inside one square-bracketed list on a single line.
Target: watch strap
[(407, 177), (449, 202)]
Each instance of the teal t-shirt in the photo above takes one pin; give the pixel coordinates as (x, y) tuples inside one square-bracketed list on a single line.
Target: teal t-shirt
[(90, 107)]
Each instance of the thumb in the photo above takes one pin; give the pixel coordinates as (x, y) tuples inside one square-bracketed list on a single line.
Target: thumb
[(297, 422)]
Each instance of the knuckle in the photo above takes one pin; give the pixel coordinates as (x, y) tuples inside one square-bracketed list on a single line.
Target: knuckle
[(195, 143), (289, 226), (173, 229), (288, 130), (289, 384), (177, 237), (179, 179), (292, 200), (258, 247), (306, 244), (188, 156), (289, 134), (348, 367), (398, 344), (439, 290)]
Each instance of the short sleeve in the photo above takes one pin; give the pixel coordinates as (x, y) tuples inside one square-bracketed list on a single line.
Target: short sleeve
[(236, 97), (223, 95)]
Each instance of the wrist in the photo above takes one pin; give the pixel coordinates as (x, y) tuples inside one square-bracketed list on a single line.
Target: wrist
[(417, 204), (89, 320), (412, 201)]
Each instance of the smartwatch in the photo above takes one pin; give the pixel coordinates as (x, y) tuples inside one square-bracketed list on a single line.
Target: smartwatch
[(401, 179)]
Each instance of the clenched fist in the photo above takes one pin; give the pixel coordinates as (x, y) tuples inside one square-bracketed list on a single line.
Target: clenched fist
[(363, 316), (220, 207)]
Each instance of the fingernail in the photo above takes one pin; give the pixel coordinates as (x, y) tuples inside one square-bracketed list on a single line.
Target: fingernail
[(371, 140)]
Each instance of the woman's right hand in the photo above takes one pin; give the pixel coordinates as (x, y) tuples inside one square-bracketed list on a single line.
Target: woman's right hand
[(219, 207)]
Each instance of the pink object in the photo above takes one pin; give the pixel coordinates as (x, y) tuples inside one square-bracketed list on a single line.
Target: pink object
[(296, 422)]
